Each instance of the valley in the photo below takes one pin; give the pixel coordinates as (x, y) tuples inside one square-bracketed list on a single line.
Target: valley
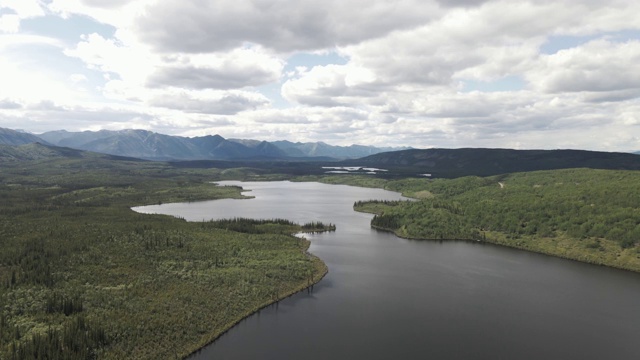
[(79, 269)]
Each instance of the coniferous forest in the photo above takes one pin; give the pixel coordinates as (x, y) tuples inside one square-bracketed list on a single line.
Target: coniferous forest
[(582, 214), (82, 276)]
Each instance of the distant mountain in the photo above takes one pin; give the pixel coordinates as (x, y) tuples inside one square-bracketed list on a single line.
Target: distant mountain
[(153, 146), (264, 148), (299, 149), (149, 145), (484, 162), (13, 137), (74, 139)]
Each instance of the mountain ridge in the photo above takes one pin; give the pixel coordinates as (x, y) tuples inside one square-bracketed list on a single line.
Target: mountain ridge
[(154, 146), (14, 137), (40, 151)]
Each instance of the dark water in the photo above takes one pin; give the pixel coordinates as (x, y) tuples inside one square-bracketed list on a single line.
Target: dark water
[(390, 298)]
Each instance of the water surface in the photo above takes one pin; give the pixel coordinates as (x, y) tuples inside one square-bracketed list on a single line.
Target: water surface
[(391, 298)]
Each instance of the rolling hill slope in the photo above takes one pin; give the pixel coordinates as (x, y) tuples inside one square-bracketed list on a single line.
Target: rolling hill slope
[(451, 163)]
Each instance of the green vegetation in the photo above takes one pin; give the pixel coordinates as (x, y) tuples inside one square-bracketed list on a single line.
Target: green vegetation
[(453, 163), (582, 214), (272, 226), (83, 276)]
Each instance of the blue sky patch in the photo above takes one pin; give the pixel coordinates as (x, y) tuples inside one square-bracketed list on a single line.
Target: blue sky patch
[(273, 93), (68, 30), (59, 66), (310, 60), (562, 42), (6, 11)]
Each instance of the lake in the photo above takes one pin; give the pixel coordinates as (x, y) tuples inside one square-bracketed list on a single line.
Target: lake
[(391, 298)]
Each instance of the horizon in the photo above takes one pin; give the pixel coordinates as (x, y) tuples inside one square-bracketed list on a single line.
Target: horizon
[(393, 148), (436, 74)]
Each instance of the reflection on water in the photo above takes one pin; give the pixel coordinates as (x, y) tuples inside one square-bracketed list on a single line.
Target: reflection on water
[(386, 297)]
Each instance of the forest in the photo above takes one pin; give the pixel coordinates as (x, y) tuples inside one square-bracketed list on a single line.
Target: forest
[(82, 276), (583, 214)]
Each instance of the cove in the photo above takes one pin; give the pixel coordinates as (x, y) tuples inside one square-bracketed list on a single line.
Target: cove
[(386, 297)]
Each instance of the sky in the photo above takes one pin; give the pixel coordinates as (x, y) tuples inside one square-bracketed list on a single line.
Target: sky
[(423, 73)]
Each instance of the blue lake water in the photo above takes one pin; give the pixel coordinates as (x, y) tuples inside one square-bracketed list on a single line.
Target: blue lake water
[(391, 298)]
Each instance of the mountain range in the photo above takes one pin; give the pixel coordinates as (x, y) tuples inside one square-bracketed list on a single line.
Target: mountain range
[(154, 146), (301, 158)]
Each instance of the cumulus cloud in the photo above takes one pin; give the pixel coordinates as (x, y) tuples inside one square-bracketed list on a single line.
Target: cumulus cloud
[(106, 4), (407, 72), (599, 65), (12, 12), (222, 103), (331, 85), (9, 104), (23, 8), (9, 23), (237, 69), (281, 25)]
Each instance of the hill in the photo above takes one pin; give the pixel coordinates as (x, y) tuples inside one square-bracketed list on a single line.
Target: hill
[(38, 151), (450, 163), (588, 215)]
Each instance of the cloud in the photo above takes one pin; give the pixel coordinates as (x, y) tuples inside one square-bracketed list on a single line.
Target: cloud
[(446, 73), (191, 77), (281, 25), (461, 3), (222, 103), (23, 8), (112, 56), (599, 65), (106, 4), (237, 69), (9, 104), (9, 23), (330, 85)]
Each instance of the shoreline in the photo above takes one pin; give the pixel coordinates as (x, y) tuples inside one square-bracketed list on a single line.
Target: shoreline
[(321, 270), (491, 241)]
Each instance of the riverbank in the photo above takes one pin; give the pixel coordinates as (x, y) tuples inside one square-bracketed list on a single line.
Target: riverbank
[(496, 295), (565, 248), (319, 272), (136, 286)]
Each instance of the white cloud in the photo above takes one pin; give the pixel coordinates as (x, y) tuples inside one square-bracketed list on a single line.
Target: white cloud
[(130, 61), (599, 65), (24, 8), (237, 69), (331, 85), (210, 102), (281, 25), (198, 66), (9, 23), (19, 10)]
